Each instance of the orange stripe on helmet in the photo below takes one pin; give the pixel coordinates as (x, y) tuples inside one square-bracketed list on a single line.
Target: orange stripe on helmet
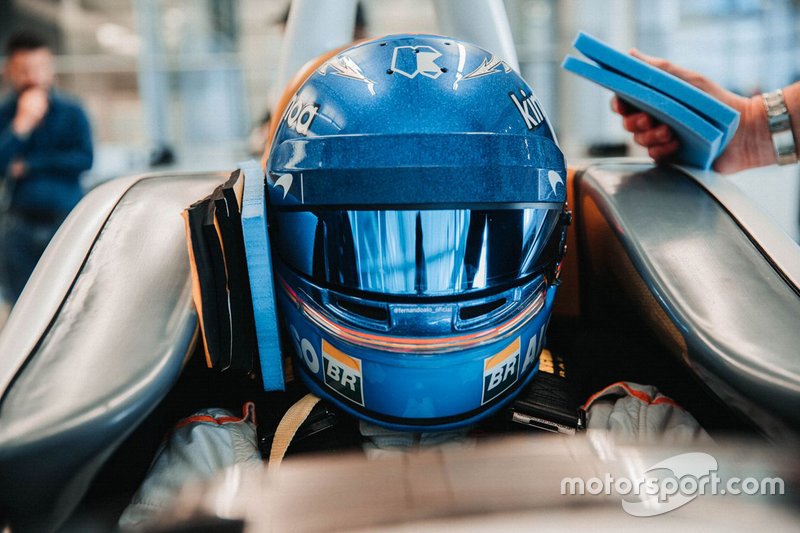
[(415, 344)]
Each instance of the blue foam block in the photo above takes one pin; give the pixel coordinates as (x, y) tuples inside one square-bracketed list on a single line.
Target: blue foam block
[(721, 115), (700, 140), (259, 268)]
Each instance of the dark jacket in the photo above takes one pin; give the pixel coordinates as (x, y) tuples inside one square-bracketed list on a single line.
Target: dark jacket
[(55, 153)]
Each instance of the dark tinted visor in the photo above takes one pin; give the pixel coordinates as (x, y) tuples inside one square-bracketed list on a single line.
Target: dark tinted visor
[(417, 252)]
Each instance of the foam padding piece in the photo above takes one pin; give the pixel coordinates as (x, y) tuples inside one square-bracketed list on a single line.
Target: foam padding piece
[(259, 266), (721, 115), (700, 140)]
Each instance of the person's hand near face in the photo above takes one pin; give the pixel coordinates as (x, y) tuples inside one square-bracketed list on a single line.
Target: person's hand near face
[(31, 109), (31, 74)]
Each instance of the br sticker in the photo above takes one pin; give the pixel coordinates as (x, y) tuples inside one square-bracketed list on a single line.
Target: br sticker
[(500, 371), (343, 373)]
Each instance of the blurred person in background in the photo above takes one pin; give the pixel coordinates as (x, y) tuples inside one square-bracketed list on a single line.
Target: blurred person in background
[(752, 145), (45, 145)]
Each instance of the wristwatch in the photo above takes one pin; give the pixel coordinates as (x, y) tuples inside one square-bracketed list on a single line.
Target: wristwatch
[(780, 126)]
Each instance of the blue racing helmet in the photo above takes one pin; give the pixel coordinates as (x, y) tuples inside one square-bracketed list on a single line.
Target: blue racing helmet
[(415, 192)]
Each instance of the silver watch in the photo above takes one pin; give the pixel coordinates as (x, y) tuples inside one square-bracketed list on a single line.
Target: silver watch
[(780, 126)]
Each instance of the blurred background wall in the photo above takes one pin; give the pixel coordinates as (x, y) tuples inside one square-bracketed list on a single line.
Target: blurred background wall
[(182, 83)]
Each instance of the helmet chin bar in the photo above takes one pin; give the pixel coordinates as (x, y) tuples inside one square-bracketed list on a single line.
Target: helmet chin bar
[(414, 391), (445, 423), (532, 296)]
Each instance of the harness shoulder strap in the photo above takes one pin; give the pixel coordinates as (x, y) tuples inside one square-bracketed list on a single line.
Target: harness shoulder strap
[(288, 426)]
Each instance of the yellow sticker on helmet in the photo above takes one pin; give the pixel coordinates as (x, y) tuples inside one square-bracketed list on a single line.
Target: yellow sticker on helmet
[(342, 373), (500, 371)]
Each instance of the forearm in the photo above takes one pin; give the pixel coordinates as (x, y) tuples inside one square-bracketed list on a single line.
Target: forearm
[(752, 146), (757, 150)]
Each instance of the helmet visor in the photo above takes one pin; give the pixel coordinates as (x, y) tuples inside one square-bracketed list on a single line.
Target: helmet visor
[(418, 252)]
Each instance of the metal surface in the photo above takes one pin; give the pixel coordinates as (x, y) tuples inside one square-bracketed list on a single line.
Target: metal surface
[(736, 311), (481, 22), (313, 28), (112, 350), (53, 277), (780, 127), (782, 251)]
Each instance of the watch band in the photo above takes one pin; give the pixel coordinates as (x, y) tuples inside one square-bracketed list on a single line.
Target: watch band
[(780, 127)]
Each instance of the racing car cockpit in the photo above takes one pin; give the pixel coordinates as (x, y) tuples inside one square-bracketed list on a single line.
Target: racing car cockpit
[(671, 278)]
